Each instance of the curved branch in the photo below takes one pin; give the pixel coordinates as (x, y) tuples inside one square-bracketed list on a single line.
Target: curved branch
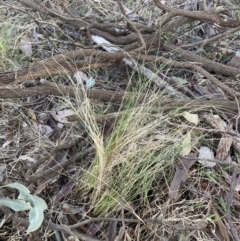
[(209, 15)]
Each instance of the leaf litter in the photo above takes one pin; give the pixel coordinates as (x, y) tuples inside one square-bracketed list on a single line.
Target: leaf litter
[(141, 179)]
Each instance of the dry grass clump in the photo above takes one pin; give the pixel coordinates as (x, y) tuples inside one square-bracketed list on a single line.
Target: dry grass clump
[(133, 166), (12, 29), (139, 150)]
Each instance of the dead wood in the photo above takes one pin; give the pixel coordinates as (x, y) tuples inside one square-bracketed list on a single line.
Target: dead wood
[(48, 68), (62, 90), (166, 103), (208, 15), (70, 63), (212, 39), (206, 63), (83, 59)]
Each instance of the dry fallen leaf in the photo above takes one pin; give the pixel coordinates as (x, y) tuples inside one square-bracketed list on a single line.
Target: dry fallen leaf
[(206, 153), (224, 146), (105, 44), (221, 232), (27, 158), (65, 190), (83, 78), (61, 116), (229, 181), (186, 145), (193, 118), (45, 129), (80, 77), (26, 46), (182, 169)]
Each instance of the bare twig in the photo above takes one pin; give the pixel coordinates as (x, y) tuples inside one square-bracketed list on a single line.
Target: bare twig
[(68, 144), (231, 133), (225, 163), (229, 199), (76, 158), (133, 27), (48, 224), (201, 224), (126, 220), (211, 40), (209, 15)]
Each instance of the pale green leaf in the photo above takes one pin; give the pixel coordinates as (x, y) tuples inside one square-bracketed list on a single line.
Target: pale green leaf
[(24, 193), (16, 205), (38, 205), (36, 214)]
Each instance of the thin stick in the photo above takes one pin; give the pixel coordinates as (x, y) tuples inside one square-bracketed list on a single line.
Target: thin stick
[(229, 203)]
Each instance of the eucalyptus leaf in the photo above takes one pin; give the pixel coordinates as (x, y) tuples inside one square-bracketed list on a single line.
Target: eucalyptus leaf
[(16, 205), (24, 193), (37, 207), (36, 214)]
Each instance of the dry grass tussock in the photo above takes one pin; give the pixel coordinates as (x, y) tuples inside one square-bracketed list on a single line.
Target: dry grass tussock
[(132, 156), (134, 164)]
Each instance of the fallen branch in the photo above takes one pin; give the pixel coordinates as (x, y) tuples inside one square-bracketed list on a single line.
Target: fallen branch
[(209, 15), (166, 103), (207, 64)]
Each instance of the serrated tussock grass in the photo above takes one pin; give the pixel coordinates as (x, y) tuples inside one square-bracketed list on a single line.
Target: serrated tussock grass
[(139, 150)]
